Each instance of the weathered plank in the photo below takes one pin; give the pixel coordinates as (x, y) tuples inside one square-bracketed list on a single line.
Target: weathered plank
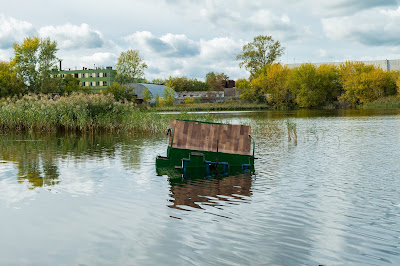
[(232, 139)]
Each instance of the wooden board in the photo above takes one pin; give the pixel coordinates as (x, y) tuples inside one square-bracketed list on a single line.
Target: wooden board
[(232, 139)]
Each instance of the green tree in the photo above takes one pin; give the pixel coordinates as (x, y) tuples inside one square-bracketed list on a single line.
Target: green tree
[(36, 63), (146, 95), (216, 81), (169, 93), (249, 92), (329, 81), (130, 65), (305, 84), (121, 92), (69, 84), (158, 81), (262, 51), (186, 84), (10, 83)]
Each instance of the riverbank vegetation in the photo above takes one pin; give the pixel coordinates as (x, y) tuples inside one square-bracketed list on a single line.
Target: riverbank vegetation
[(350, 84)]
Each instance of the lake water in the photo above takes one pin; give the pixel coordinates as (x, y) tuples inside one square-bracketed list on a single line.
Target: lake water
[(331, 198)]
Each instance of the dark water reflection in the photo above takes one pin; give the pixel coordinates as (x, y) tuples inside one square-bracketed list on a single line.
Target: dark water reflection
[(210, 191), (334, 198)]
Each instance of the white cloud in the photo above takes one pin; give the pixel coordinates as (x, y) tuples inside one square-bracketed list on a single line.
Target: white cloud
[(255, 21), (169, 45), (70, 36), (346, 7), (80, 59), (322, 52), (13, 30), (177, 55), (373, 27)]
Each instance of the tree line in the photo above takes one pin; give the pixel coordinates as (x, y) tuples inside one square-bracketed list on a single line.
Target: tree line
[(348, 84), (33, 69)]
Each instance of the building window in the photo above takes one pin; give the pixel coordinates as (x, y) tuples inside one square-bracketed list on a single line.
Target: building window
[(97, 75), (105, 75), (76, 75), (83, 84), (97, 83), (90, 75), (104, 83), (82, 75)]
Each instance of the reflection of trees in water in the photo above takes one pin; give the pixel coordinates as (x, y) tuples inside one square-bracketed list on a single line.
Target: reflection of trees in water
[(195, 193), (37, 174), (38, 155)]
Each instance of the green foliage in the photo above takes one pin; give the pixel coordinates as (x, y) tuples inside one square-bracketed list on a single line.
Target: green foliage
[(216, 81), (262, 51), (387, 102), (247, 92), (186, 84), (35, 62), (146, 95), (120, 92), (158, 81), (306, 85), (130, 66), (329, 81), (10, 83), (169, 94), (188, 100), (69, 84)]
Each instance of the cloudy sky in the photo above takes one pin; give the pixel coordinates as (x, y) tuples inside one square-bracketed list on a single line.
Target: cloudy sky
[(193, 37)]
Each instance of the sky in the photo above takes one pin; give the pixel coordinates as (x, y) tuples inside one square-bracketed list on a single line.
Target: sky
[(193, 37)]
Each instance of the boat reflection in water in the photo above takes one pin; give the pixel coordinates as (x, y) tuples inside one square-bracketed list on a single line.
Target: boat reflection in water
[(197, 190)]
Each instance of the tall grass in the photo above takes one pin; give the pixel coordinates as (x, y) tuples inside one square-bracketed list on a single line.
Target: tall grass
[(383, 103), (77, 112), (292, 131)]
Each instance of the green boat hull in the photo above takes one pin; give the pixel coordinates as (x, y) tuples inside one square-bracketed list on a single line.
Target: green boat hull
[(202, 163)]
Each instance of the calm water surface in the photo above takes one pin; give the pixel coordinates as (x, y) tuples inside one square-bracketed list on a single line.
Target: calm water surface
[(332, 198)]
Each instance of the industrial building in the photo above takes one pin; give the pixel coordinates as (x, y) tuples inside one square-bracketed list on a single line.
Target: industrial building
[(385, 65), (92, 79)]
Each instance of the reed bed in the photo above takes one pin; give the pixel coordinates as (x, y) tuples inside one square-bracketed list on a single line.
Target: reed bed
[(77, 112)]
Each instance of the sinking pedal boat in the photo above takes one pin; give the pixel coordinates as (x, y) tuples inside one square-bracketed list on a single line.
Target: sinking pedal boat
[(205, 149)]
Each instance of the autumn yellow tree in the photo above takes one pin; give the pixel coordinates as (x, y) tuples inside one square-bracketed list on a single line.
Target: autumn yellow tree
[(10, 83), (364, 83), (277, 90)]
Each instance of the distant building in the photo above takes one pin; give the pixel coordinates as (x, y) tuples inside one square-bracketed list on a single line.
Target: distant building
[(92, 79), (154, 89), (385, 65)]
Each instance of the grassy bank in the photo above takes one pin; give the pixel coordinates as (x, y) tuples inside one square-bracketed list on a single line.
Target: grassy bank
[(383, 103), (77, 112)]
